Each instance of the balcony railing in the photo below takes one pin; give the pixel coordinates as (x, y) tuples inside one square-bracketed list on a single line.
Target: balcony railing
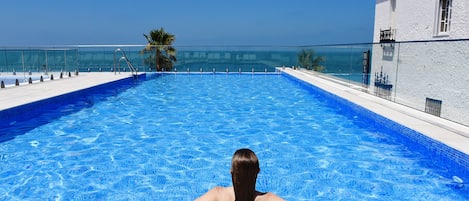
[(387, 35)]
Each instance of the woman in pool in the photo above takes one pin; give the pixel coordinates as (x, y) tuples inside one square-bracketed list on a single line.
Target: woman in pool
[(244, 170)]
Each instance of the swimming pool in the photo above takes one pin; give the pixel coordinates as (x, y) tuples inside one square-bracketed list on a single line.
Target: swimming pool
[(172, 138)]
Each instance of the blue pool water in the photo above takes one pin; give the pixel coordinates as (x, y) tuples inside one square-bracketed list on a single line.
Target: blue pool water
[(172, 138)]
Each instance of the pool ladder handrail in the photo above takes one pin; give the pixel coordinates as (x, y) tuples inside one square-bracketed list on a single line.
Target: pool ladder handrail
[(127, 61)]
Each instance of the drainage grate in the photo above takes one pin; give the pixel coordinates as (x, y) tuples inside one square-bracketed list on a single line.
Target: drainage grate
[(433, 106)]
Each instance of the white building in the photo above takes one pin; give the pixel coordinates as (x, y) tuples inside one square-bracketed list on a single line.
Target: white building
[(417, 20), (422, 59)]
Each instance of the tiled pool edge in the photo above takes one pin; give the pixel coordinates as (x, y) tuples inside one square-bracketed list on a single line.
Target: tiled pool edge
[(439, 149), (30, 110)]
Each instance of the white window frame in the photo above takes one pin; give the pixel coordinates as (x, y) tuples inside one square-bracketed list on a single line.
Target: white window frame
[(443, 17)]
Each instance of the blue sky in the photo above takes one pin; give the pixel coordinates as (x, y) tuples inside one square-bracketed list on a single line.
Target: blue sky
[(193, 22)]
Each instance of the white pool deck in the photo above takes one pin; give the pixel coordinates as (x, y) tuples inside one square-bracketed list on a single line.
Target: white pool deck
[(450, 133), (12, 96)]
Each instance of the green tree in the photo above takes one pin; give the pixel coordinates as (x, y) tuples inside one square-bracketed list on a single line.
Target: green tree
[(160, 43), (308, 60)]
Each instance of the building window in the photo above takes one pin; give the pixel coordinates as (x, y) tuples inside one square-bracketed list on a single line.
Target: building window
[(444, 17)]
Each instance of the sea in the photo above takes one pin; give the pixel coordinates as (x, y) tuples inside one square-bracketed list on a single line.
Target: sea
[(345, 61)]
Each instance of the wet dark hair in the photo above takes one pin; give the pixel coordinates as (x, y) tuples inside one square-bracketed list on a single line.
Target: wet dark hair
[(244, 170)]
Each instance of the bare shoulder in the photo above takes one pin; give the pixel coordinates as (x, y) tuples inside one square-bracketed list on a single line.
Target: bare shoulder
[(269, 197), (218, 193)]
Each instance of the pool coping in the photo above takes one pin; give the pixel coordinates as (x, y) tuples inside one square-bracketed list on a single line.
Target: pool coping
[(15, 96), (441, 130)]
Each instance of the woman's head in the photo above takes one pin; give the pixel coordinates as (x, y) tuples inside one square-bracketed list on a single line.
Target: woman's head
[(244, 170)]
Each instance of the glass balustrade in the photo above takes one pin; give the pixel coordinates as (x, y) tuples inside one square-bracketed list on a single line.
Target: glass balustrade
[(430, 76)]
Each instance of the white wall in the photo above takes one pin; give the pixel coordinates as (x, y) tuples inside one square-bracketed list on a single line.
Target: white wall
[(416, 19), (438, 70)]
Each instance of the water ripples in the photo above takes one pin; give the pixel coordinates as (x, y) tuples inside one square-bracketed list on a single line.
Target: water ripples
[(172, 138)]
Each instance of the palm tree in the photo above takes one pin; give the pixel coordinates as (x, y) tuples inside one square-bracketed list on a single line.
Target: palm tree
[(304, 58), (308, 60), (160, 42)]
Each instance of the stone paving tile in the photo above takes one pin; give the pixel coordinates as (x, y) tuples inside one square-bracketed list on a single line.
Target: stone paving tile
[(12, 96)]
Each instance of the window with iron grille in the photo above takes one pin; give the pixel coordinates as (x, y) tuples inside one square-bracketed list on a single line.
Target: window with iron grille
[(433, 106), (444, 17)]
